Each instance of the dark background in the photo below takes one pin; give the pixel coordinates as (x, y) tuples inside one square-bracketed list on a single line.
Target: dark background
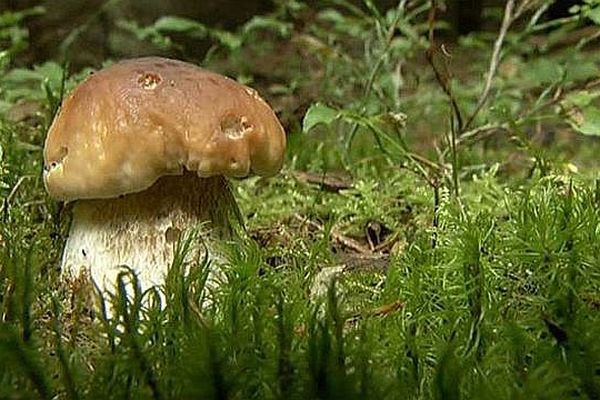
[(100, 39)]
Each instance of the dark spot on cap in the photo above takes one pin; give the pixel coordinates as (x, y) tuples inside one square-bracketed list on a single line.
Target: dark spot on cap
[(235, 127), (172, 234), (149, 80), (61, 156)]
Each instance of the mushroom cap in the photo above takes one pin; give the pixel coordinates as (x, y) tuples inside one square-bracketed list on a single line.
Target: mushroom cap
[(129, 124)]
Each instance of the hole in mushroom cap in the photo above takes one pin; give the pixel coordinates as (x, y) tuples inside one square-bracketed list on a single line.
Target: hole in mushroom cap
[(61, 156), (149, 80), (235, 127), (172, 234)]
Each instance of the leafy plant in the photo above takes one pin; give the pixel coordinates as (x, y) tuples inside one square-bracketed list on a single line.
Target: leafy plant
[(13, 36), (464, 264)]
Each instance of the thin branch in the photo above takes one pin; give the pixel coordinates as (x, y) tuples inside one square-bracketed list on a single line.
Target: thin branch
[(509, 18), (443, 80), (389, 40), (345, 241), (13, 192), (483, 131), (533, 21), (524, 6), (480, 132)]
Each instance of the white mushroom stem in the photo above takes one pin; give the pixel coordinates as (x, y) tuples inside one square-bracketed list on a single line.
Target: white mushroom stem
[(141, 230)]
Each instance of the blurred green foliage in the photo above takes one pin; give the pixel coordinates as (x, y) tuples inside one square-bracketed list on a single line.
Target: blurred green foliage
[(13, 36), (487, 234)]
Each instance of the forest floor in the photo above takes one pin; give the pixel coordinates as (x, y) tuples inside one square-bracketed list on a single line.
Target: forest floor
[(429, 237)]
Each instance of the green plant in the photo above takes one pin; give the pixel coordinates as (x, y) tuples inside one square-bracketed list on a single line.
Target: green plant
[(13, 36), (465, 253)]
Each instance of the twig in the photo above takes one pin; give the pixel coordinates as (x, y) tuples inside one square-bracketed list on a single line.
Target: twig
[(389, 40), (444, 81), (523, 7), (337, 236), (381, 311), (436, 218), (588, 39), (13, 192), (533, 21), (452, 139), (481, 132), (509, 18), (331, 182)]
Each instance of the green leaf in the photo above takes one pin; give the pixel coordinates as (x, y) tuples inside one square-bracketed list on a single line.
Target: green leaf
[(582, 98), (594, 15), (21, 76), (580, 69), (9, 19), (178, 24), (581, 112), (192, 28), (226, 39), (283, 29), (543, 72), (319, 114), (588, 121)]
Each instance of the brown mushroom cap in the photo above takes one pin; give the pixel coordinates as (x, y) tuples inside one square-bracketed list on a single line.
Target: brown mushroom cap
[(129, 124)]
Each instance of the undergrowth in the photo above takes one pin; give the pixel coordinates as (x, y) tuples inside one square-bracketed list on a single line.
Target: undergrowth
[(456, 225)]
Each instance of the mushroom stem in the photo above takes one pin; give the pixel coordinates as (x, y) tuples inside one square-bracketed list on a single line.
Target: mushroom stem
[(141, 230)]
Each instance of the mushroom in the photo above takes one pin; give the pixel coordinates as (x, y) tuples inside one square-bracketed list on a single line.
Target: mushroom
[(142, 150)]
